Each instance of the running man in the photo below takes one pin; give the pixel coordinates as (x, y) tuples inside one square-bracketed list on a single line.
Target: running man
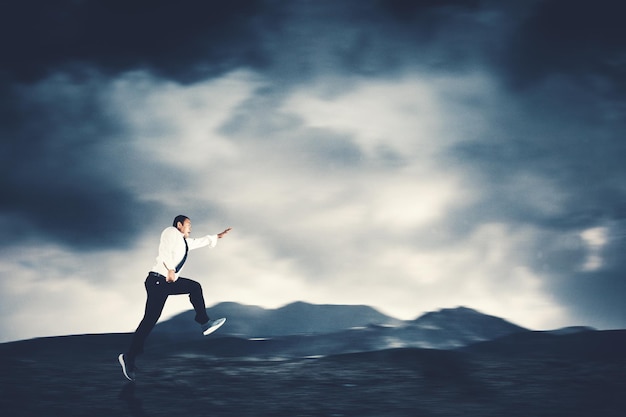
[(164, 280)]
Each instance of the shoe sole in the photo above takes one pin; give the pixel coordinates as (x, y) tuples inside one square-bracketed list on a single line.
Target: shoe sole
[(121, 360), (218, 323)]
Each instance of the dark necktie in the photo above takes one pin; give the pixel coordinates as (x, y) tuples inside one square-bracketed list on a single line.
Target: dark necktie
[(180, 265)]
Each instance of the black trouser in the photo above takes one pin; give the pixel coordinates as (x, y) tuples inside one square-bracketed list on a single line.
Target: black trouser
[(158, 289)]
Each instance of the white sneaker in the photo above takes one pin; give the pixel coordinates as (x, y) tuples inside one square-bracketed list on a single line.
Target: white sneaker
[(127, 368), (212, 325)]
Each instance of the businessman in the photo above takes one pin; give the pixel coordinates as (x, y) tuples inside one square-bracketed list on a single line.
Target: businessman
[(164, 280)]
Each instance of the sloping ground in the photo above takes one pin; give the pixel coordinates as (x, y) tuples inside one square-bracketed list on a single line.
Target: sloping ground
[(583, 345), (79, 376)]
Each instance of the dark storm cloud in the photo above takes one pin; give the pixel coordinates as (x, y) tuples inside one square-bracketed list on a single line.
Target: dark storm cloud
[(190, 40), (185, 39), (571, 37), (61, 176), (376, 38), (565, 119), (59, 183)]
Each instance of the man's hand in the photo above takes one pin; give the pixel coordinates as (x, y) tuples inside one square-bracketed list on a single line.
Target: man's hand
[(221, 235), (171, 276)]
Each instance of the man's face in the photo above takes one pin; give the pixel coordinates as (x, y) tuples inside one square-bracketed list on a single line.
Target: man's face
[(185, 227)]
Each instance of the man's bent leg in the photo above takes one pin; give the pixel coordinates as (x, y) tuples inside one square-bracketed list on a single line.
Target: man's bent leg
[(194, 289)]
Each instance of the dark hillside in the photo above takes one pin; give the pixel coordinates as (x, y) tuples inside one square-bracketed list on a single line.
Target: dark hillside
[(79, 376)]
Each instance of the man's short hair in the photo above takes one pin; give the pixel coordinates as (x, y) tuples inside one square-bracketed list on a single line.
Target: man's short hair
[(180, 218)]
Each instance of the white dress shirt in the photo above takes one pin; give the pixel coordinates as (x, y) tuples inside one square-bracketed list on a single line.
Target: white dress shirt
[(172, 249)]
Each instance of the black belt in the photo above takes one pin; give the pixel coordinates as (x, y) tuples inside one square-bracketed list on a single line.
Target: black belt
[(156, 274)]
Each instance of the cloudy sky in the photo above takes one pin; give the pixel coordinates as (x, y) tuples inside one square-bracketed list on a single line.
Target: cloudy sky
[(408, 155)]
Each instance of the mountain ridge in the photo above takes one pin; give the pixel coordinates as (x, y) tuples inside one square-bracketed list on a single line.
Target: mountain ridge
[(338, 329), (302, 328), (295, 318)]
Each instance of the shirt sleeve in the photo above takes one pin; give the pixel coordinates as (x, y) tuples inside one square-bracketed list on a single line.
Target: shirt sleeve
[(167, 247), (208, 240)]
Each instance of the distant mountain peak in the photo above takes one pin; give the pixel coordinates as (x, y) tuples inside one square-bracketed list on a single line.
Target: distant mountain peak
[(458, 310), (572, 330), (466, 320)]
